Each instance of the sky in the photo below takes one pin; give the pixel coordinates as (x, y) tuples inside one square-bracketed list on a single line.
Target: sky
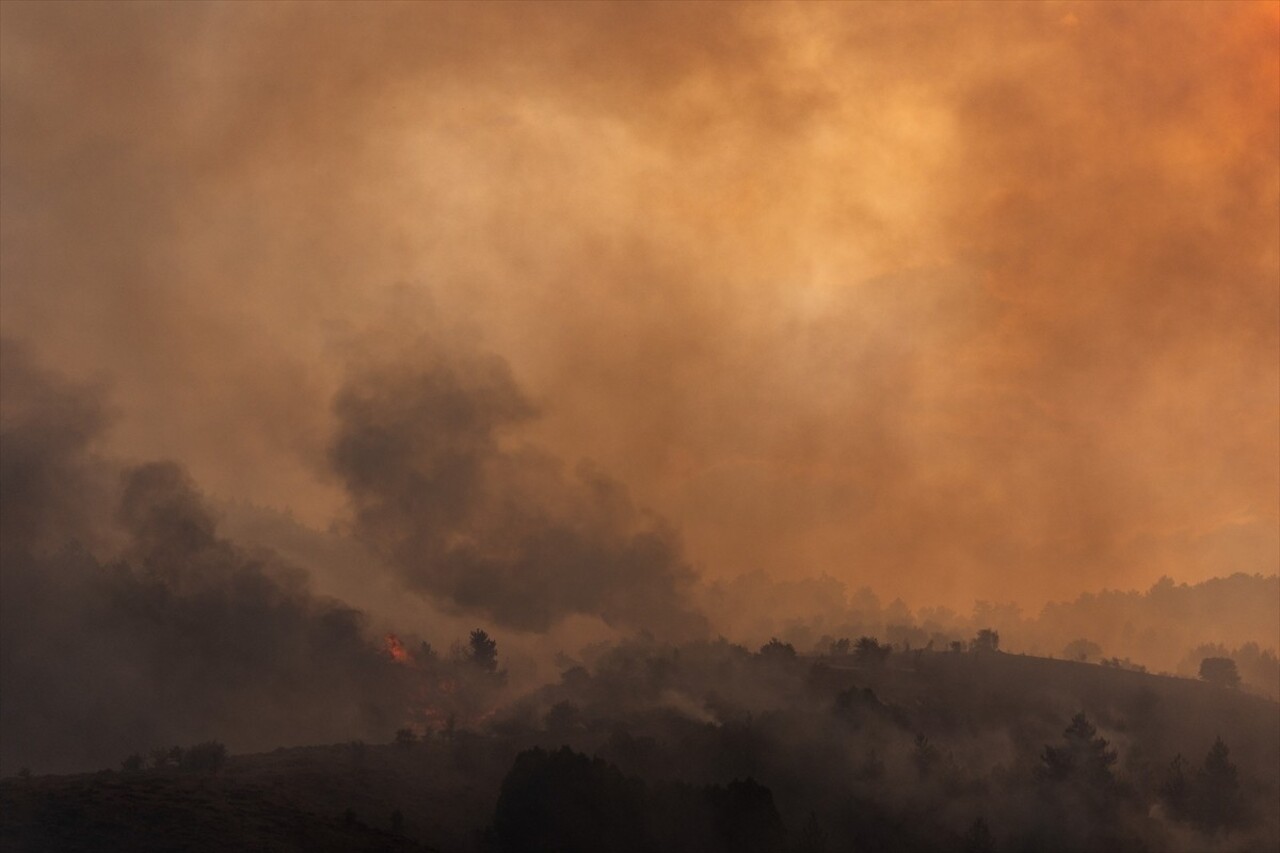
[(962, 301)]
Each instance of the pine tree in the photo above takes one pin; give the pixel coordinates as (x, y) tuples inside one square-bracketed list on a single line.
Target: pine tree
[(1218, 803), (1083, 757), (484, 650), (1174, 790)]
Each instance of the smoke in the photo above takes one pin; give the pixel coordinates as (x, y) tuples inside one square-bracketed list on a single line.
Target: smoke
[(496, 529), (127, 623), (954, 302), (131, 621)]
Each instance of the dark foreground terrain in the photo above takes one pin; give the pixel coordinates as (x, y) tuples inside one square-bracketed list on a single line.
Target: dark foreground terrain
[(711, 747)]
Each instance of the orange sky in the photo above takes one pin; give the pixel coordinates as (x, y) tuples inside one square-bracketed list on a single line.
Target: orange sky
[(953, 300)]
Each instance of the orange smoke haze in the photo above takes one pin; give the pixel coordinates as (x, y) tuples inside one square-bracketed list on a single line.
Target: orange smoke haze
[(955, 301)]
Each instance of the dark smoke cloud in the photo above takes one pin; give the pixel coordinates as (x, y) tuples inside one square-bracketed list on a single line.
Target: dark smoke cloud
[(126, 622), (492, 528)]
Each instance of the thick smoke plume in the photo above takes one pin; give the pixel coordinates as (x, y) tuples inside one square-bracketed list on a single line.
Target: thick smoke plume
[(127, 622), (498, 530)]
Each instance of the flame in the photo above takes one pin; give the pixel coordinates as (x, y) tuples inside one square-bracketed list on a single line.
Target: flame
[(438, 700), (395, 649)]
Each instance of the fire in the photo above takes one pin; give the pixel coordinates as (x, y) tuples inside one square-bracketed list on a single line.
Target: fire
[(395, 649), (439, 699)]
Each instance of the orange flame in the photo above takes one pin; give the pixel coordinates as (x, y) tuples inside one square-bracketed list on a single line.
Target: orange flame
[(395, 649)]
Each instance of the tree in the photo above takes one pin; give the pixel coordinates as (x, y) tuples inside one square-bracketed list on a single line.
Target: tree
[(840, 647), (563, 718), (987, 640), (1217, 789), (1220, 671), (1082, 650), (483, 651), (132, 764), (776, 650), (869, 650), (405, 738), (567, 802), (1174, 790), (1083, 757)]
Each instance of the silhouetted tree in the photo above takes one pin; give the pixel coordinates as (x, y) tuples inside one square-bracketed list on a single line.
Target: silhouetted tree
[(483, 650), (987, 640), (1083, 757), (840, 647), (405, 738), (565, 802), (132, 764), (1217, 789), (776, 650), (562, 718), (1082, 650), (868, 650), (1174, 790), (1220, 671)]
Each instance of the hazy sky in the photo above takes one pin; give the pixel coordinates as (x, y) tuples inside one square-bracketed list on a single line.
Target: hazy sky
[(955, 301)]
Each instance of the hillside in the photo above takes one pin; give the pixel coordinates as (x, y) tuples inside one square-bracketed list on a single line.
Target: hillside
[(921, 751)]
